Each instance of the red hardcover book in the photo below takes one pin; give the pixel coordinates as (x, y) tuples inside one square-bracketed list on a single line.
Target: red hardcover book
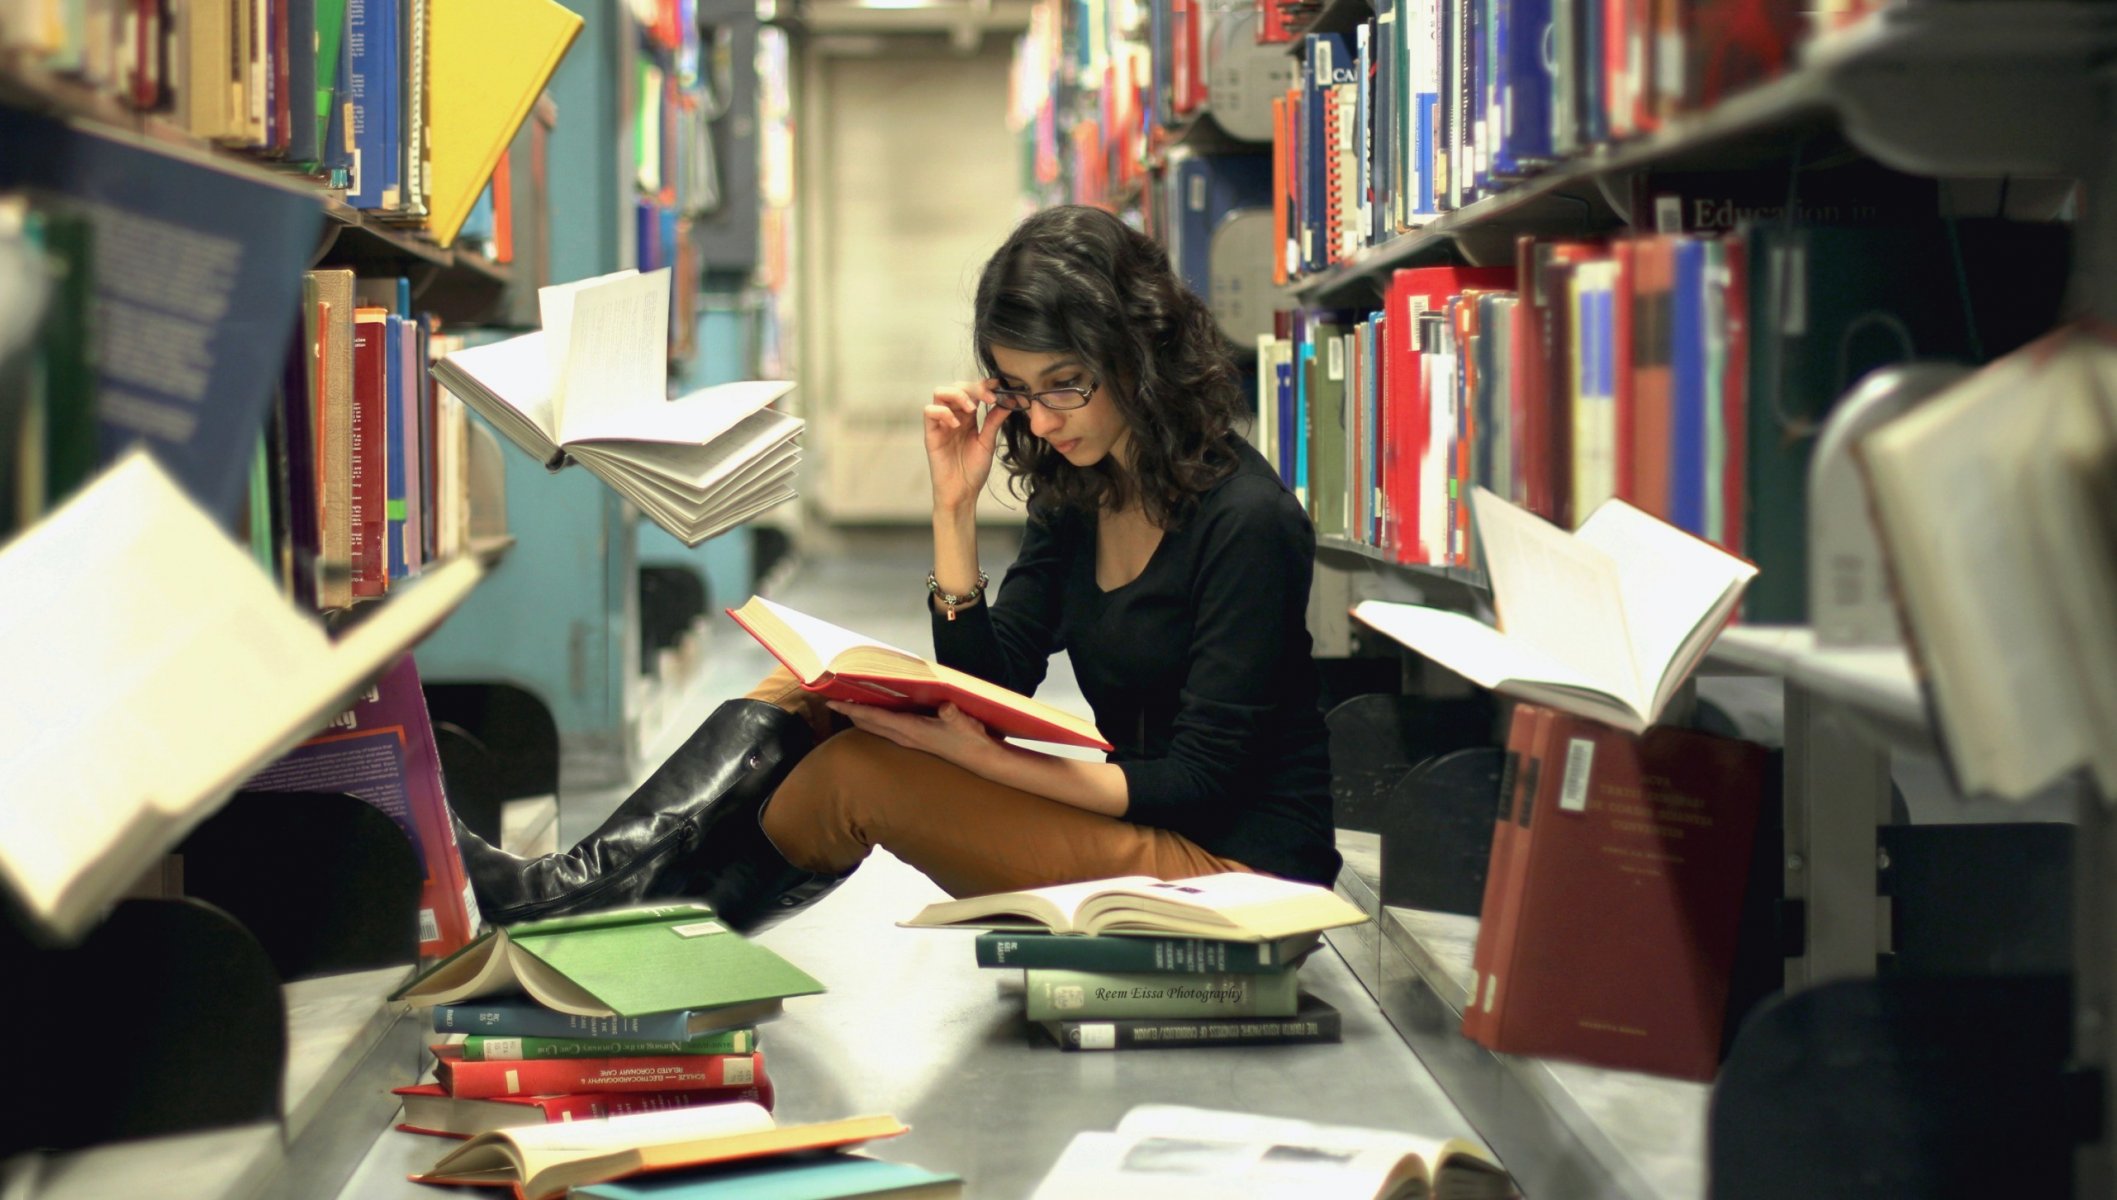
[(1625, 253), (503, 209), (842, 665), (1629, 894), (428, 1108), (1405, 413), (1518, 774), (553, 1076), (370, 447), (382, 750), (1732, 44), (1734, 394), (1282, 145), (1653, 388)]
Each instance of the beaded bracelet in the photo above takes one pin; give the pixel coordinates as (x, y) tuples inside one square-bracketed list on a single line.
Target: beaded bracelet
[(952, 602)]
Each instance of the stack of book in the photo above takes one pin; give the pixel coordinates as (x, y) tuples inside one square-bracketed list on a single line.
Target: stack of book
[(1143, 963), (604, 1014)]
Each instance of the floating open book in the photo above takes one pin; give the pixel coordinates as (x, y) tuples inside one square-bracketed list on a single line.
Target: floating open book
[(1234, 906), (540, 1161), (845, 666), (1173, 1152), (1605, 622), (591, 387), (156, 669), (622, 963)]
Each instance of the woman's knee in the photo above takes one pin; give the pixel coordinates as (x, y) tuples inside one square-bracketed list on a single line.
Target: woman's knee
[(825, 787)]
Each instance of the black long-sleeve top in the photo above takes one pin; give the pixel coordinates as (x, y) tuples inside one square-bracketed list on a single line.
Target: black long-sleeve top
[(1200, 671)]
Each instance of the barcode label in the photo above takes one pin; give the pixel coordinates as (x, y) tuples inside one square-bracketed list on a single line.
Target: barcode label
[(698, 929), (503, 1049), (1668, 214), (514, 1082), (1198, 193), (1580, 760), (1334, 361), (1492, 987), (738, 1072), (1066, 997), (429, 927), (1098, 1037)]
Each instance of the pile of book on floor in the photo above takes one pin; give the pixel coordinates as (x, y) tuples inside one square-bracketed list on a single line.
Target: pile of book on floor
[(1138, 963), (603, 1014)]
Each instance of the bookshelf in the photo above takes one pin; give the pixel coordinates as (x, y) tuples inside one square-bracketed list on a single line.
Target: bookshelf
[(1974, 98)]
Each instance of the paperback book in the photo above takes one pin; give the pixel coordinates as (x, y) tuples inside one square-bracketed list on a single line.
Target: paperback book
[(1314, 1021), (428, 1108), (1233, 906)]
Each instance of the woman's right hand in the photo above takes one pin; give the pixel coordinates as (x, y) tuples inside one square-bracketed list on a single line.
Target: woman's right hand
[(958, 451)]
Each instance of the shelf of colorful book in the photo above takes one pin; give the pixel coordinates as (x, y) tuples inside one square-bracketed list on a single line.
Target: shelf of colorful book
[(1561, 1129), (1878, 684), (1836, 100)]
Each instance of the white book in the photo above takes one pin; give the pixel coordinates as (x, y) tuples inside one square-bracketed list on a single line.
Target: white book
[(590, 388), (1996, 503), (1176, 1152), (157, 668), (1605, 622)]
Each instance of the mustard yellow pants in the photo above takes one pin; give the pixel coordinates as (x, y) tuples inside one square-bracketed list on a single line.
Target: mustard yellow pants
[(856, 791)]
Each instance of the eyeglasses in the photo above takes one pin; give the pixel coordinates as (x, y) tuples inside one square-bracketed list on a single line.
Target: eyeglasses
[(1055, 399)]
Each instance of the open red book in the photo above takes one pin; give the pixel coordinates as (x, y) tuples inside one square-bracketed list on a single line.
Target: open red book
[(842, 665)]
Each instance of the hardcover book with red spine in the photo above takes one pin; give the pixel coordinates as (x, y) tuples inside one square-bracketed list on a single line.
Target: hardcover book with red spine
[(1406, 418), (1653, 389), (552, 1076), (1517, 780), (1543, 467), (370, 442), (1628, 899), (1622, 326), (429, 1109)]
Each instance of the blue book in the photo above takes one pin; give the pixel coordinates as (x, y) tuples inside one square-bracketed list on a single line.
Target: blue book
[(198, 398), (519, 1016), (1207, 188), (1331, 62), (378, 139), (1524, 142), (1687, 402), (823, 1178)]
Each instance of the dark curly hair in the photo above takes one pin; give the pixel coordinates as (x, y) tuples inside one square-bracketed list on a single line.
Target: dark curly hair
[(1078, 280)]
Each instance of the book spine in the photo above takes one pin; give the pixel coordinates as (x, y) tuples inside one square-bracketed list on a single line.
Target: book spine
[(529, 1020), (1183, 956), (541, 1077), (1056, 995), (585, 1106), (369, 456), (1164, 1033), (485, 1048)]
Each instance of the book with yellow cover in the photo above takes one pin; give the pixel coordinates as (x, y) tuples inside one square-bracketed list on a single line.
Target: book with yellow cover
[(488, 62)]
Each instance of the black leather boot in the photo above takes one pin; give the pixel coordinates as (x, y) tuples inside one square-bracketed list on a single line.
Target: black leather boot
[(690, 832)]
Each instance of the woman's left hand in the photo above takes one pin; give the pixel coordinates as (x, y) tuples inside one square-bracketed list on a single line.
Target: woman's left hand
[(952, 735)]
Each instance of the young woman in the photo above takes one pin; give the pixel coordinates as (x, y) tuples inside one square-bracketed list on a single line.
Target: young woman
[(1161, 552)]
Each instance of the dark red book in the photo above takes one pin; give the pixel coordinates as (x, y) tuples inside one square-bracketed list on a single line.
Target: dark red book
[(1622, 325), (1518, 779), (1544, 415), (1653, 383), (1406, 424), (428, 1108), (369, 451), (553, 1076), (1629, 897)]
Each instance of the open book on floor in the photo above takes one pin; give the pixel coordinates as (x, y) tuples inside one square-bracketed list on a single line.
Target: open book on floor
[(1235, 906), (591, 386), (843, 665), (541, 1161), (622, 963), (159, 668), (1173, 1152), (1605, 622)]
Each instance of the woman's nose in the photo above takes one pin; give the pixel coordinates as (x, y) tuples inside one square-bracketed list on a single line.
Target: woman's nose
[(1043, 422)]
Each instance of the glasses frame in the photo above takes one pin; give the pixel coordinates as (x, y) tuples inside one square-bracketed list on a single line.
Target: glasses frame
[(1001, 396)]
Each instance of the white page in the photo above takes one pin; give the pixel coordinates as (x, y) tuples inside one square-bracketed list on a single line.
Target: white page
[(153, 653), (512, 372), (1476, 651), (1669, 581), (690, 420), (1181, 1120), (1559, 596), (699, 468), (555, 315), (826, 639), (617, 352)]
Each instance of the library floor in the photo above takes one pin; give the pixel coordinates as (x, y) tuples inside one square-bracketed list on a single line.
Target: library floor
[(911, 1026)]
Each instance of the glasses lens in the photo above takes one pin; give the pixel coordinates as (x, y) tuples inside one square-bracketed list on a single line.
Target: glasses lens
[(1011, 401), (1064, 398)]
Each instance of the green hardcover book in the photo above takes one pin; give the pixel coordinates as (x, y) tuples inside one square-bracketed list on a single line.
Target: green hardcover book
[(1058, 995), (623, 962), (1328, 487), (1182, 955), (485, 1048)]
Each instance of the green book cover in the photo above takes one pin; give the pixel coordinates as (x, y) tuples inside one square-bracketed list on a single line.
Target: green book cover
[(620, 962), (330, 33), (1184, 955), (1060, 995), (486, 1048)]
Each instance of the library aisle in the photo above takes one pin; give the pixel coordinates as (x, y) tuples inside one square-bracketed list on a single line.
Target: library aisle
[(911, 1026)]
